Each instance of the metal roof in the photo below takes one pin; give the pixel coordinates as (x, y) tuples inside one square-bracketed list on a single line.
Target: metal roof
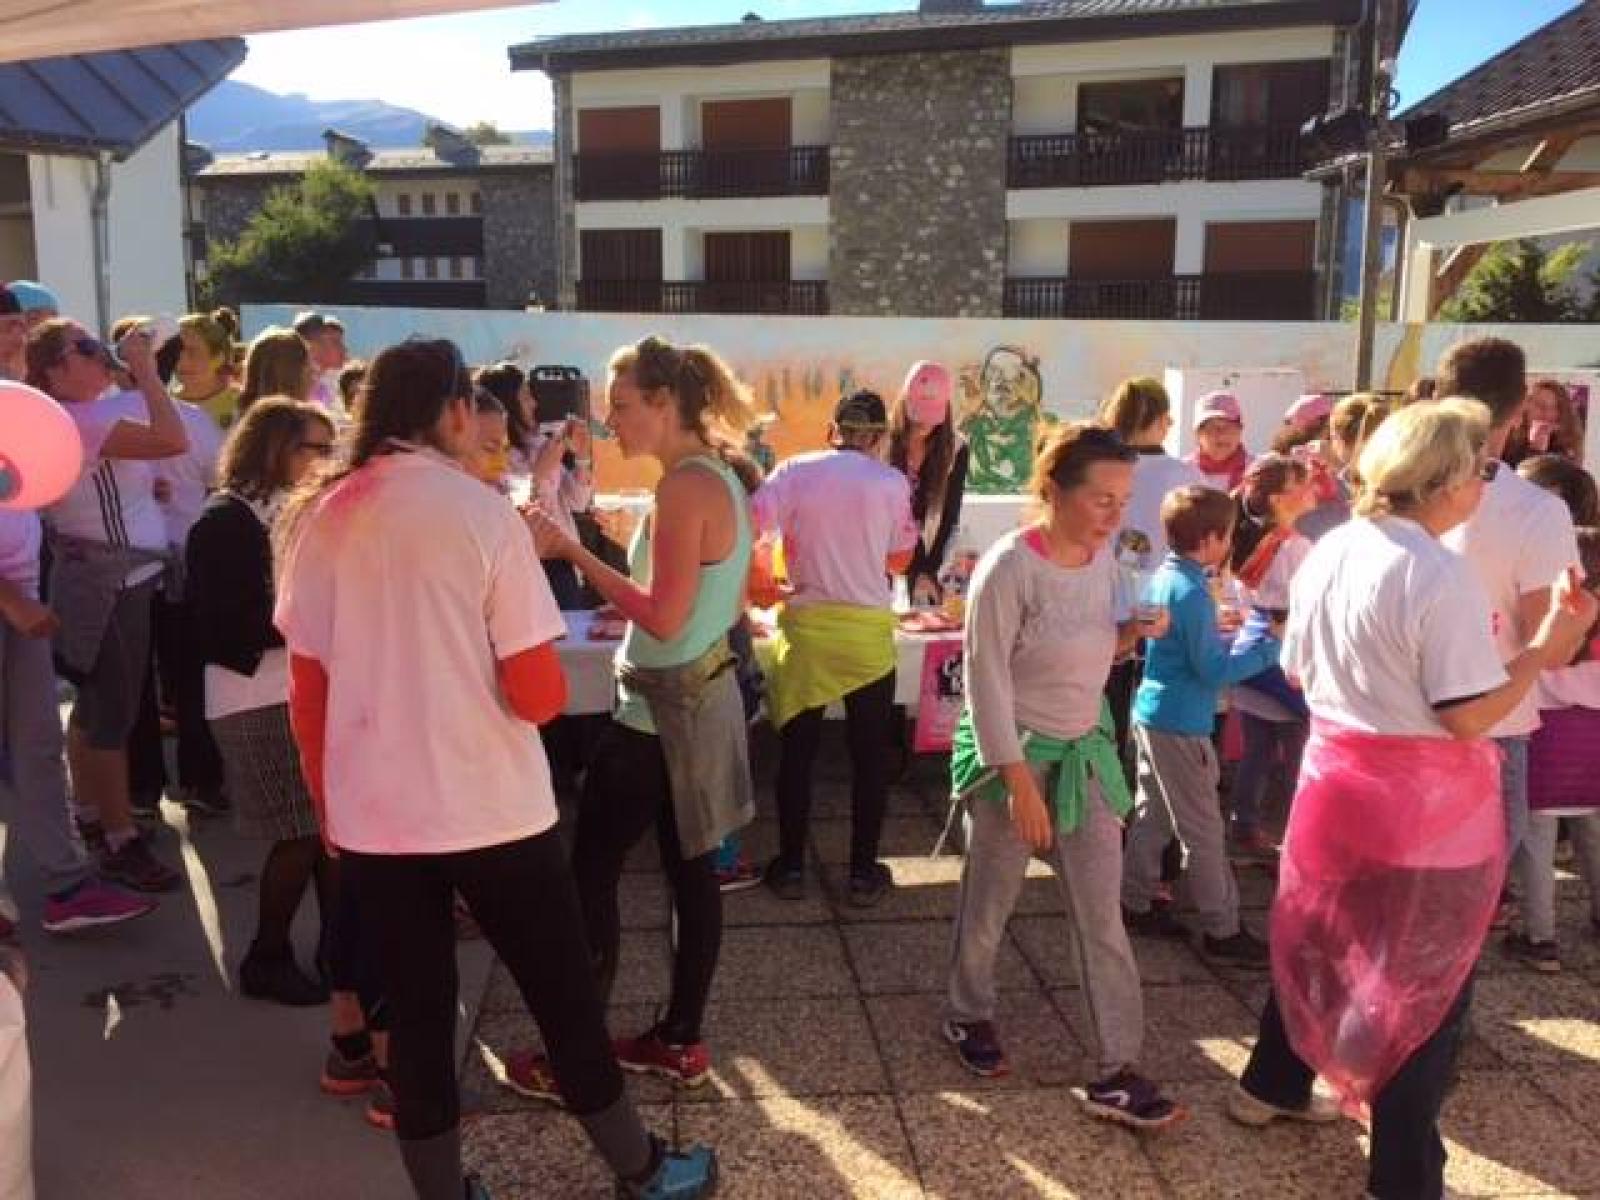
[(1041, 21), (111, 102), (415, 160), (1552, 71)]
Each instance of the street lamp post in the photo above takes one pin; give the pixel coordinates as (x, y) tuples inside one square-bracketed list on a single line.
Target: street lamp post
[(1384, 37)]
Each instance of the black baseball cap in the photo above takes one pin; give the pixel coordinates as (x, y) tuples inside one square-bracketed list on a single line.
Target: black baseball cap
[(861, 410), (308, 323)]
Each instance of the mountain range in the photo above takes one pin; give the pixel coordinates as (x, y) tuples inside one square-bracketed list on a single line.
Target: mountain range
[(236, 117)]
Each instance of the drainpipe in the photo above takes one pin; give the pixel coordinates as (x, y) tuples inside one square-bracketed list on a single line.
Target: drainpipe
[(100, 216)]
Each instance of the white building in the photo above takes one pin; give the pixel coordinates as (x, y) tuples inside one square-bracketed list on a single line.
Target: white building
[(91, 180), (1138, 159)]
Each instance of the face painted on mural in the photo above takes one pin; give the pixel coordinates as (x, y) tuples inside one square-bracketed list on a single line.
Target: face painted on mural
[(1005, 408)]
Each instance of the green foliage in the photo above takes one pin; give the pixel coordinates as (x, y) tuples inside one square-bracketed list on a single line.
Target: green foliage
[(305, 242), (486, 133), (1521, 282)]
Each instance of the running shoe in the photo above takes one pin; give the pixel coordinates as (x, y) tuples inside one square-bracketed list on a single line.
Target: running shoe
[(1536, 956), (92, 904), (1243, 950), (1155, 921), (1256, 1113), (740, 876), (788, 882), (134, 866), (528, 1074), (683, 1175), (869, 885), (1129, 1099), (343, 1076), (648, 1054), (380, 1105), (978, 1047)]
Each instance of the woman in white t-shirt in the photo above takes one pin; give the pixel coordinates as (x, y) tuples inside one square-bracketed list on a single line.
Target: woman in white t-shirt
[(421, 636), (1396, 846), (1141, 413), (109, 542)]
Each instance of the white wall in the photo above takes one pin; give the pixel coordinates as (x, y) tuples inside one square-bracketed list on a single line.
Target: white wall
[(1115, 58), (808, 252), (61, 189), (147, 251), (1037, 248), (389, 191), (146, 230)]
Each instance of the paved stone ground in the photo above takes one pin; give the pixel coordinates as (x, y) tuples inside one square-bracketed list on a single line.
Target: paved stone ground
[(153, 1079), (831, 1079)]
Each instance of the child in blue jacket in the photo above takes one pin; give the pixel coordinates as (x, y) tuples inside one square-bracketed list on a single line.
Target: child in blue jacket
[(1185, 674)]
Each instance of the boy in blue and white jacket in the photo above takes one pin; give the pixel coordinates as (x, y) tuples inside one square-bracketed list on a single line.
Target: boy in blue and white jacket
[(1185, 674)]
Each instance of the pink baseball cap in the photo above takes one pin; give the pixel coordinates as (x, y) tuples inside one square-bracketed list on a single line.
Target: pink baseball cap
[(927, 392), (1218, 406), (1308, 410)]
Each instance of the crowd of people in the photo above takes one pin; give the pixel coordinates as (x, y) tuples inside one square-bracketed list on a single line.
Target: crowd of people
[(339, 586)]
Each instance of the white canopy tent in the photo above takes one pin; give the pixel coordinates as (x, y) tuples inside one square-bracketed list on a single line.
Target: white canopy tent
[(47, 28)]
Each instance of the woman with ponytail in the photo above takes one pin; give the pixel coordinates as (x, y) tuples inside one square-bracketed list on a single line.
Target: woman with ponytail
[(423, 758), (675, 757)]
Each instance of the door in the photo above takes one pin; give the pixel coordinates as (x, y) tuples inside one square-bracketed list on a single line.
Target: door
[(1260, 270), (1121, 269), (619, 153), (745, 147), (747, 272), (620, 270)]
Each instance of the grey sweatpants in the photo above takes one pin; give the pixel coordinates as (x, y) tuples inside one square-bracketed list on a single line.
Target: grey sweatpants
[(1087, 865), (1178, 778), (1536, 860), (33, 778)]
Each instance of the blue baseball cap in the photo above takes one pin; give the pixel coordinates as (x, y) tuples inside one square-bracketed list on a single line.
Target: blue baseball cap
[(33, 295)]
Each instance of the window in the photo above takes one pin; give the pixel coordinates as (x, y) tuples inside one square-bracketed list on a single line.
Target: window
[(455, 268), (430, 268), (1259, 95), (403, 203), (408, 268), (1134, 106), (452, 203), (471, 265), (430, 204), (476, 202)]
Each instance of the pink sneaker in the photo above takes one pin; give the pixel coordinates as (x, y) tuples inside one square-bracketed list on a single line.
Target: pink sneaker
[(647, 1054), (94, 903)]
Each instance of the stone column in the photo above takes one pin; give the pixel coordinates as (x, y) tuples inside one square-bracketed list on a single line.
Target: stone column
[(566, 244), (519, 238), (918, 193)]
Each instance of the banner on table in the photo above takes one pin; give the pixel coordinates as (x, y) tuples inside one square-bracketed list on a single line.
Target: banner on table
[(940, 697)]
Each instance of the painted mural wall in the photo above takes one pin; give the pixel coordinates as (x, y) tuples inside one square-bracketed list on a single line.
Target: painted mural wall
[(1011, 374)]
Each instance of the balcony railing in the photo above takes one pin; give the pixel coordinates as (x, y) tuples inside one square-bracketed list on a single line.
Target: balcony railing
[(1253, 296), (703, 174), (441, 237), (795, 298), (1161, 156)]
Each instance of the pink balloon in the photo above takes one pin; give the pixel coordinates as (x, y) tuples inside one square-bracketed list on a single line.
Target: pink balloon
[(41, 454)]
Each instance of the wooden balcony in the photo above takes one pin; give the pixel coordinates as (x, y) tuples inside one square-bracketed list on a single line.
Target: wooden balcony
[(793, 298), (703, 174), (1257, 296), (1165, 156)]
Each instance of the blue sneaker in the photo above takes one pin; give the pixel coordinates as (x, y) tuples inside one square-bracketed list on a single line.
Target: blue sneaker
[(1129, 1099), (978, 1047), (683, 1175)]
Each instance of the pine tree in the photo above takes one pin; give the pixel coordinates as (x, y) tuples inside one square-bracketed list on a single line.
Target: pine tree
[(1519, 282)]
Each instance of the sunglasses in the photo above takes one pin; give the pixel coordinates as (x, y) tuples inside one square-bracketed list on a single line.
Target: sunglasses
[(88, 347)]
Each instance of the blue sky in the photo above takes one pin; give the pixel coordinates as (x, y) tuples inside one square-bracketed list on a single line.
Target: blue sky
[(455, 67)]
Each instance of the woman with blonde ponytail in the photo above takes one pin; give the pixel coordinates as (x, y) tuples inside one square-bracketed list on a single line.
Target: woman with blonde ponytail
[(674, 757)]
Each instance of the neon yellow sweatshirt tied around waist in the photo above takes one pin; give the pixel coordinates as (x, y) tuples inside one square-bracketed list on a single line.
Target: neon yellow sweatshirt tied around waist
[(823, 652), (1070, 764)]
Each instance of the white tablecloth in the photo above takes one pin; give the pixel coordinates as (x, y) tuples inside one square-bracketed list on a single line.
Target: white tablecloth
[(591, 675)]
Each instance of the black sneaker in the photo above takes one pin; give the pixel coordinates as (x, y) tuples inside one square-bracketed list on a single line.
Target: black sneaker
[(788, 882), (278, 978), (1155, 921), (133, 866), (869, 885), (1536, 956), (1129, 1099), (1243, 949), (978, 1047)]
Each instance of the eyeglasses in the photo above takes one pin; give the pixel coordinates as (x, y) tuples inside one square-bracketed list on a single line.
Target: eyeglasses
[(1488, 469)]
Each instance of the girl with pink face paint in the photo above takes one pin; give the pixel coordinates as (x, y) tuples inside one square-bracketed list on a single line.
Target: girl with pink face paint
[(924, 446)]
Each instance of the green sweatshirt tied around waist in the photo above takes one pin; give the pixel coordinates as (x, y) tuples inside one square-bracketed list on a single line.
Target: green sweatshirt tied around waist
[(1071, 764)]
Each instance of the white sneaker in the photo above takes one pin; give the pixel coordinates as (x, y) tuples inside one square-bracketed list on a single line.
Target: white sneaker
[(1247, 1110)]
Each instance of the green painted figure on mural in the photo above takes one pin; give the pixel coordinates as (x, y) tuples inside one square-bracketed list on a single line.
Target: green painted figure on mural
[(1002, 424)]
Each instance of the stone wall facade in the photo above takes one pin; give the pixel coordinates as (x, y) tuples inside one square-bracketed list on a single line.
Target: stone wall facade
[(566, 232), (230, 203), (918, 193), (519, 239)]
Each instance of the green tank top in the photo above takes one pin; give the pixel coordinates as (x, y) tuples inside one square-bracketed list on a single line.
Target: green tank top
[(716, 601)]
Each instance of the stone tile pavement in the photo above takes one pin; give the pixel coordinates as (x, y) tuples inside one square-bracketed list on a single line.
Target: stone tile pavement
[(831, 1079)]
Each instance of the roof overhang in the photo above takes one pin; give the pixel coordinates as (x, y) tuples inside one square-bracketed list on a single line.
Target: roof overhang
[(47, 28), (723, 45)]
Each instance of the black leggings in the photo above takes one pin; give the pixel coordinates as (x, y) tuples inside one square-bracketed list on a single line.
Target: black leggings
[(869, 716), (625, 792), (522, 897)]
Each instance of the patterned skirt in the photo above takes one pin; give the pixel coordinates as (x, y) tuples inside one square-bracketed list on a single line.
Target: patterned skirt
[(268, 792)]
